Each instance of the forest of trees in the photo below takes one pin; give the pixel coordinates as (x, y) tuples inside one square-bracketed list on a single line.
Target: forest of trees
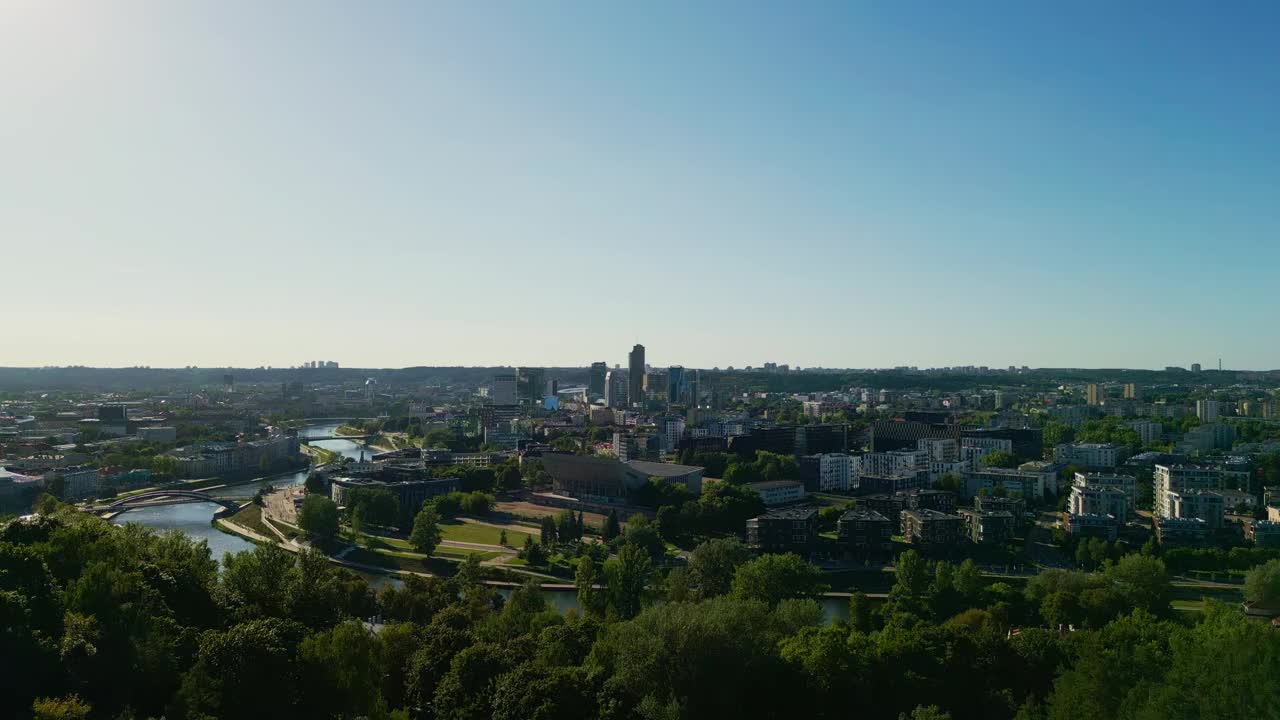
[(105, 621)]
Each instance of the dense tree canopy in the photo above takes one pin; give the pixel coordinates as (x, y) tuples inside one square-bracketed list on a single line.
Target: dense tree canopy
[(121, 622)]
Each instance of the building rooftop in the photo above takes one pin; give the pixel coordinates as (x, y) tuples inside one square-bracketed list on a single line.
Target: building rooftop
[(931, 514), (795, 513), (663, 470), (774, 484), (867, 514)]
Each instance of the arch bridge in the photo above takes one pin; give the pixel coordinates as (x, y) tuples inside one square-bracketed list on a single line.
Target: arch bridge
[(156, 497)]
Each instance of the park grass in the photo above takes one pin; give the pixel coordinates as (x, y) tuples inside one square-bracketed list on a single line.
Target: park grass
[(481, 534), (382, 542), (250, 516), (1188, 605), (463, 553)]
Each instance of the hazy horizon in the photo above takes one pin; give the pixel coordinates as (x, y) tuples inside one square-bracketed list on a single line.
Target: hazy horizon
[(449, 184)]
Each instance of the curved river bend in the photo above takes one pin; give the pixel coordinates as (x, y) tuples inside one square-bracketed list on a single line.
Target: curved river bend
[(194, 518)]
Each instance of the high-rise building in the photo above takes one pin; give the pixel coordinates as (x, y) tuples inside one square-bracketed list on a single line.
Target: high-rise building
[(1093, 393), (676, 386), (503, 389), (1208, 410), (595, 378), (531, 385), (1131, 391), (1195, 367), (615, 389), (635, 363)]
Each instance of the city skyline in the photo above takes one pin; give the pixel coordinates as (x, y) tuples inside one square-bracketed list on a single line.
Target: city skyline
[(868, 186)]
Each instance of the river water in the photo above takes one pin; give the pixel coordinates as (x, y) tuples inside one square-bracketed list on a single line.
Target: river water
[(195, 519)]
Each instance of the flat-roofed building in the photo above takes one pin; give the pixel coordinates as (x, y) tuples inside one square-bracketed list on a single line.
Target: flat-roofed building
[(930, 528), (784, 530), (1099, 526), (1205, 505), (1100, 500), (865, 532), (1181, 531), (987, 527), (779, 492), (1263, 533), (1178, 478)]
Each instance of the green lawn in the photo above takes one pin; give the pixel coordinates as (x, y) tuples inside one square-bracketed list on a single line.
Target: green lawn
[(482, 534), (251, 517), (461, 553), (382, 542)]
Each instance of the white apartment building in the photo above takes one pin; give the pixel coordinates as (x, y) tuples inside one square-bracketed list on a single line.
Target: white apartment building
[(1125, 483), (779, 492), (1090, 454), (672, 429), (987, 443), (895, 462), (835, 472), (940, 450), (1172, 479), (1098, 501)]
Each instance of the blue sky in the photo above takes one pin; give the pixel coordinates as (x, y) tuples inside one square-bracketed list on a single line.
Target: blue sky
[(844, 184)]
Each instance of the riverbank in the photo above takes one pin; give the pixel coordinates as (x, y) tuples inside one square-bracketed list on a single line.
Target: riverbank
[(211, 483)]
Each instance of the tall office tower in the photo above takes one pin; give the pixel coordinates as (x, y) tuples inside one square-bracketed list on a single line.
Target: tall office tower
[(675, 385), (595, 379), (531, 385), (1093, 393), (615, 389), (503, 389), (635, 363)]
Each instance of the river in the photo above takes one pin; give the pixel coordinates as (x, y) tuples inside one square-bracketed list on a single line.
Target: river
[(195, 519)]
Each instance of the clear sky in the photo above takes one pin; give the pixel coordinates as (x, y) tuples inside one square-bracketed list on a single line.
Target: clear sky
[(854, 184)]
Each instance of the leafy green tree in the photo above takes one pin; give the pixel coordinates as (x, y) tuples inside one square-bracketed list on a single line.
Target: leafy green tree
[(341, 672), (1000, 459), (713, 563), (426, 535), (70, 707), (628, 576), (374, 506), (1224, 667), (548, 531), (315, 484), (591, 598), (466, 690), (536, 692), (668, 656), (860, 612), (318, 516), (508, 476), (441, 643), (1262, 584), (258, 583), (773, 578), (1142, 581), (248, 671), (612, 528)]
